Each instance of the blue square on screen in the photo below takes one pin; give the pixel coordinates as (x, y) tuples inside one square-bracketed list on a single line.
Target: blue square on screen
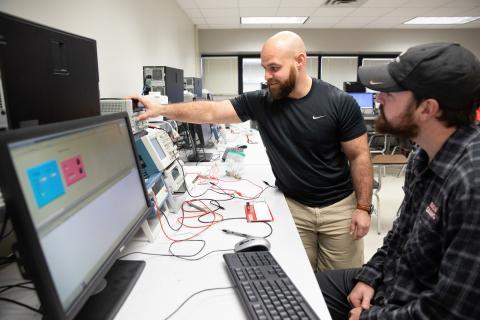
[(46, 182)]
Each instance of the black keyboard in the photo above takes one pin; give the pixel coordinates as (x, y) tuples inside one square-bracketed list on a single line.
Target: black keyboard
[(228, 149), (265, 290)]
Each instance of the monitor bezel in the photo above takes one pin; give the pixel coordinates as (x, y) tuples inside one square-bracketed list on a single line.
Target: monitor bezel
[(32, 257)]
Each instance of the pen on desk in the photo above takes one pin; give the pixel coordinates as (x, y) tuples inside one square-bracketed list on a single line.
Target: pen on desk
[(237, 233)]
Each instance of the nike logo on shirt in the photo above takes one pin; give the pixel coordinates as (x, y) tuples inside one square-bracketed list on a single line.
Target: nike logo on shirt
[(318, 117)]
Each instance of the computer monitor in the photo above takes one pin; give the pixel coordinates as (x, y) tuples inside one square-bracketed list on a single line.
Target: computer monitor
[(365, 100), (351, 86), (204, 134), (46, 75), (75, 196), (200, 135)]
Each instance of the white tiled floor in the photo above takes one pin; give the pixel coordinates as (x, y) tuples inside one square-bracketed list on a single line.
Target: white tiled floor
[(391, 196)]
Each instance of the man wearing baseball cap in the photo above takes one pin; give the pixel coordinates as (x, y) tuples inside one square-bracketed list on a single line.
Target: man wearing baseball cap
[(429, 264)]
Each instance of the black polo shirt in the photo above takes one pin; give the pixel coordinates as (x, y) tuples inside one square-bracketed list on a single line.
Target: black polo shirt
[(302, 139)]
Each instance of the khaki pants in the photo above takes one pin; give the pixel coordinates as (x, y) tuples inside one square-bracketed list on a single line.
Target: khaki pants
[(325, 233)]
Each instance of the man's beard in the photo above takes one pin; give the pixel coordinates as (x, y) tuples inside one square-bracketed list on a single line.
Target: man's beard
[(405, 129), (283, 89)]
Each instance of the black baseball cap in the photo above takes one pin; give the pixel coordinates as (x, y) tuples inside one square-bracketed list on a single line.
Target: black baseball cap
[(446, 72)]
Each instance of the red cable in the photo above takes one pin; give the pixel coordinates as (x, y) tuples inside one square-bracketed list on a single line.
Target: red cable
[(177, 240), (181, 221)]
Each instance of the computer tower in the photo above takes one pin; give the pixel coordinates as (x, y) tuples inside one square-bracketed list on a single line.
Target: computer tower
[(194, 85), (166, 80)]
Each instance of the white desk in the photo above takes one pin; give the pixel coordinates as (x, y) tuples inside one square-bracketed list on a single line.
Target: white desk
[(167, 281)]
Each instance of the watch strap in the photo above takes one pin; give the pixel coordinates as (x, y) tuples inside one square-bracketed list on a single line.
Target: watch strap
[(365, 207)]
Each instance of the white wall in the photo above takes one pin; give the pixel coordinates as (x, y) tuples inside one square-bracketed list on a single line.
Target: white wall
[(336, 40), (129, 35)]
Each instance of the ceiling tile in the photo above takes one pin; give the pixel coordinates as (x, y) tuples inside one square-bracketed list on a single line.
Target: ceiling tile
[(333, 12), (424, 3), (370, 12), (257, 12), (363, 20), (216, 3), (301, 3), (383, 3), (407, 12), (294, 12), (258, 3), (223, 20), (462, 3), (319, 25), (323, 20), (380, 25), (475, 12), (444, 12), (391, 20), (193, 13), (227, 12), (350, 25)]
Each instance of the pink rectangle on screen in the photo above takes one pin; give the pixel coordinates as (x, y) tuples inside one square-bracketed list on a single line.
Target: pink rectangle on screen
[(73, 170)]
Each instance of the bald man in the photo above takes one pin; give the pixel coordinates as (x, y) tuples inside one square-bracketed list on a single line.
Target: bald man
[(316, 142)]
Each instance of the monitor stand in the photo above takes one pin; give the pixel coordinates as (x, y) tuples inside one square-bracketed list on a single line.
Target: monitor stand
[(200, 157), (197, 156), (119, 282)]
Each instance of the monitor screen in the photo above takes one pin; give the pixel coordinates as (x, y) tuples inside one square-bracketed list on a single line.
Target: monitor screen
[(365, 100), (46, 75), (77, 196), (158, 148)]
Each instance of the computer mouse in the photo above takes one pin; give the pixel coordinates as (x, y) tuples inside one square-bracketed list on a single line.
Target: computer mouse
[(252, 244)]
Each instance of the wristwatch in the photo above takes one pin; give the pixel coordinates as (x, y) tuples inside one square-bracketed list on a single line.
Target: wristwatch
[(365, 207)]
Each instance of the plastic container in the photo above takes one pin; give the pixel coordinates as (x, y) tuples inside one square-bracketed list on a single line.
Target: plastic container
[(234, 164)]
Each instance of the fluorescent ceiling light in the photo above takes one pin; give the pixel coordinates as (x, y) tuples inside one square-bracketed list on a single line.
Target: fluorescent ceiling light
[(273, 20), (441, 20)]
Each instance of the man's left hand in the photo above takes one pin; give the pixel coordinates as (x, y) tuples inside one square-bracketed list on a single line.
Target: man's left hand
[(355, 313), (360, 224)]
